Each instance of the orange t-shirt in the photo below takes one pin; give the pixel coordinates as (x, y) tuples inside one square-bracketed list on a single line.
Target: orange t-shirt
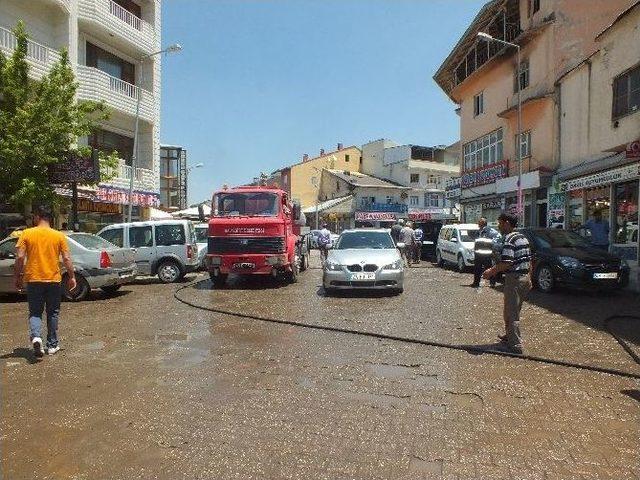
[(44, 246)]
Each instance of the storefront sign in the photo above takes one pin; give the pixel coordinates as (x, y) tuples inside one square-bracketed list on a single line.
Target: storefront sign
[(633, 150), (452, 188), (367, 216), (493, 205), (85, 205), (116, 195), (76, 169), (555, 211), (430, 214), (620, 174), (485, 175)]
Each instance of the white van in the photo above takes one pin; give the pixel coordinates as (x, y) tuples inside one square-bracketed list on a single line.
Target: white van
[(166, 248), (455, 245)]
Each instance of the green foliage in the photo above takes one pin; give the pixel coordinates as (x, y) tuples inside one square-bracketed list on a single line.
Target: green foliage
[(40, 123)]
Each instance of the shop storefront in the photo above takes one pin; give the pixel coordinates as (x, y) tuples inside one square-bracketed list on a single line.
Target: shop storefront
[(614, 194), (376, 219), (478, 197)]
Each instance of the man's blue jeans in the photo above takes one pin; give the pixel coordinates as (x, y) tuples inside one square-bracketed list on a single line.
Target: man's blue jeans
[(39, 295)]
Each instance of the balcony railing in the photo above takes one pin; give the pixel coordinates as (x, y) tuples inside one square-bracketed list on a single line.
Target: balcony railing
[(125, 172), (384, 207), (144, 179), (125, 15), (39, 56)]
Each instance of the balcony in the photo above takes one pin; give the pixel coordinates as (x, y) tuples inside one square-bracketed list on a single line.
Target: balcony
[(40, 57), (384, 207), (119, 95), (64, 4), (107, 17), (144, 179)]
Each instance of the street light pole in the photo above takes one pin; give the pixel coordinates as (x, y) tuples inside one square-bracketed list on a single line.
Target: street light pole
[(134, 158), (520, 206)]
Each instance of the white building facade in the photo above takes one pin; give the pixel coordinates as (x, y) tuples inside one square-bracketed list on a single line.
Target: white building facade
[(425, 170), (106, 41)]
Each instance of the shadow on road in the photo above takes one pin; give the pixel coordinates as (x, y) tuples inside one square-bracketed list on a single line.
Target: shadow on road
[(244, 282), (21, 352), (635, 394), (356, 293)]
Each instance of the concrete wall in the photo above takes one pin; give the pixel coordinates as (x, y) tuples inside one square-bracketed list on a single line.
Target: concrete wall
[(587, 126), (302, 173)]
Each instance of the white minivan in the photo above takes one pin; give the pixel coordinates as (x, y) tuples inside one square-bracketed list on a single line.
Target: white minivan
[(166, 248), (455, 245)]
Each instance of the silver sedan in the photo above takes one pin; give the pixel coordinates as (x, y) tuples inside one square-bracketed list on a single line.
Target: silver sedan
[(364, 259)]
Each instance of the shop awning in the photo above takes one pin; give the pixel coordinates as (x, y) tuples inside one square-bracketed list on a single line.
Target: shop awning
[(67, 192), (192, 212), (596, 163), (335, 205), (156, 214)]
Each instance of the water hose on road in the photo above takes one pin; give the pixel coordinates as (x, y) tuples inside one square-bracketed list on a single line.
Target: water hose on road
[(473, 349)]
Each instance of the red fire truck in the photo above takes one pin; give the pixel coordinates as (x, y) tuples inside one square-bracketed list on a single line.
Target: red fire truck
[(256, 231)]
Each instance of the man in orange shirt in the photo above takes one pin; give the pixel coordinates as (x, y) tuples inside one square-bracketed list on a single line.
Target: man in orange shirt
[(42, 246)]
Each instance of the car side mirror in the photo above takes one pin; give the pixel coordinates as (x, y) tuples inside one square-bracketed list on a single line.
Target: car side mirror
[(454, 240)]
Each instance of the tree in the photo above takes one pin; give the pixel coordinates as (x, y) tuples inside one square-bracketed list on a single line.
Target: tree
[(40, 123)]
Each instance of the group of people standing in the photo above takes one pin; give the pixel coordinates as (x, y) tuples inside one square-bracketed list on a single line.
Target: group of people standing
[(409, 241)]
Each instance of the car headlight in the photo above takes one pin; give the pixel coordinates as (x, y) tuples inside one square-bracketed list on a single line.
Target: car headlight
[(397, 265), (569, 262), (333, 267)]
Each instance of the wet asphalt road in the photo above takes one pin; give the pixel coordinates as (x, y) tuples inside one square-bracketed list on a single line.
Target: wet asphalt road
[(146, 387)]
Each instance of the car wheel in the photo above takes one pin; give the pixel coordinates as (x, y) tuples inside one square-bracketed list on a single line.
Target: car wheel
[(439, 260), (79, 293), (111, 289), (399, 291), (461, 266), (544, 279), (169, 272), (218, 280)]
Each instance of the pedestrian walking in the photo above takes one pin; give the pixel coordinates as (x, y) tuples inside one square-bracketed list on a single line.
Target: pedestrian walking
[(599, 229), (483, 251), (419, 234), (324, 242), (408, 238), (396, 228), (42, 246), (515, 263)]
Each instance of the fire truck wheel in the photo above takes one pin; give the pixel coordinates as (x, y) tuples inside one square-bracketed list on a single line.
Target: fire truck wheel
[(292, 276), (218, 280)]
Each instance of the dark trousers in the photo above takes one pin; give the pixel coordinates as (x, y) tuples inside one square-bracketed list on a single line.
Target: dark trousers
[(480, 264), (39, 295)]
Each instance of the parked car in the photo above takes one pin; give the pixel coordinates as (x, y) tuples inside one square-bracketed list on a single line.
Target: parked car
[(97, 264), (456, 245), (166, 248), (364, 259), (563, 257), (202, 239)]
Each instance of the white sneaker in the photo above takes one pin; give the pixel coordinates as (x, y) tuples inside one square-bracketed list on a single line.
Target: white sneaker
[(37, 346), (52, 350)]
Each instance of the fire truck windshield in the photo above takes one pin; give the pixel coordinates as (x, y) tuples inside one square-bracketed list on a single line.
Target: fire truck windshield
[(252, 204)]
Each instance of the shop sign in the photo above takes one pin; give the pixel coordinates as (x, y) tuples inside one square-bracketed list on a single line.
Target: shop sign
[(368, 216), (76, 169), (627, 172), (633, 150), (452, 188), (430, 214), (555, 211), (493, 205), (485, 175), (116, 195), (86, 205)]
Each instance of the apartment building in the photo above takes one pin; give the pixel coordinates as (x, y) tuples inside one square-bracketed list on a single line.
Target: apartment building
[(173, 177), (106, 41), (600, 136), (424, 170), (482, 78)]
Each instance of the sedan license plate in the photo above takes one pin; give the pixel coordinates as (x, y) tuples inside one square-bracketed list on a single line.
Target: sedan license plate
[(362, 276), (244, 265), (605, 276)]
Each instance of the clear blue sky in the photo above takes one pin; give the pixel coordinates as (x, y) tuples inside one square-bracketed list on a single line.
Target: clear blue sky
[(261, 82)]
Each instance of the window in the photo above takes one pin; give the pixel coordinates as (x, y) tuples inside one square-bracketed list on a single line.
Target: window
[(626, 93), (367, 201), (360, 160), (413, 200), (389, 199), (110, 64), (130, 6), (431, 200), (109, 142), (478, 104), (483, 151), (522, 75), (346, 158), (114, 236), (140, 237), (525, 144), (8, 248), (414, 178), (167, 235)]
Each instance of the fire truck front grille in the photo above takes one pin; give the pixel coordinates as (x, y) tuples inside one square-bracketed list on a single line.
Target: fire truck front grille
[(223, 245)]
